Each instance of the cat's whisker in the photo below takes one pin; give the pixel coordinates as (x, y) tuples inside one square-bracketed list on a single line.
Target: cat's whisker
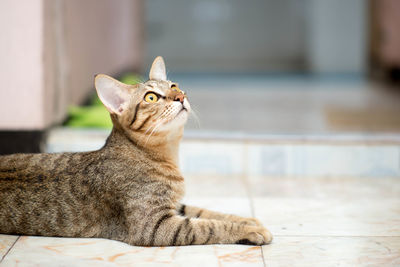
[(151, 127), (158, 125), (154, 124)]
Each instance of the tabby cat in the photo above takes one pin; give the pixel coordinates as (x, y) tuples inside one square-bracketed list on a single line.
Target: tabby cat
[(129, 190)]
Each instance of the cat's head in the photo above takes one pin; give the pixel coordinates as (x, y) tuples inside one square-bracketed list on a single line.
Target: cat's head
[(157, 106)]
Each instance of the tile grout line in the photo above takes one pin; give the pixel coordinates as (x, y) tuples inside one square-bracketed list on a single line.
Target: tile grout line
[(245, 177), (245, 174), (250, 198), (16, 240), (262, 255)]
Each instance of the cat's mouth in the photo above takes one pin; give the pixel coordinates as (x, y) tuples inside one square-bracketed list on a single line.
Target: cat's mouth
[(180, 114), (183, 109)]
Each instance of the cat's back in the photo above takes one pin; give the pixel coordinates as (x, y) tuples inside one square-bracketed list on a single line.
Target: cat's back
[(66, 173), (35, 168)]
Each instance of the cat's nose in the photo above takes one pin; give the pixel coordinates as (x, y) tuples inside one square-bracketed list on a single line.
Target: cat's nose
[(179, 97)]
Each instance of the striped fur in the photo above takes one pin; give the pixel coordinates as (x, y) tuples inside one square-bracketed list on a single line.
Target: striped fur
[(129, 190)]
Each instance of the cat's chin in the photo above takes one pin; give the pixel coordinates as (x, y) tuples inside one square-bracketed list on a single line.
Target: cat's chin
[(178, 121)]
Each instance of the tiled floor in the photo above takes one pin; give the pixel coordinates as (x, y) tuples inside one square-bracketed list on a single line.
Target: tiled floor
[(334, 219), (315, 222)]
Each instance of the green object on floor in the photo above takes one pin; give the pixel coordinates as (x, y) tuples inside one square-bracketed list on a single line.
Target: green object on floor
[(95, 115), (89, 117), (131, 78)]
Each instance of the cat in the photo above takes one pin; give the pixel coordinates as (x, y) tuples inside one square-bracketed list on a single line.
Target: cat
[(130, 189)]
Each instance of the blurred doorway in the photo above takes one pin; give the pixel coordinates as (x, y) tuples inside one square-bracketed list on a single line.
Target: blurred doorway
[(228, 35), (258, 35)]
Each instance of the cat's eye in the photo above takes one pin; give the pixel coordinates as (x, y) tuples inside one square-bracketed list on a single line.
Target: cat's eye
[(151, 98), (175, 88)]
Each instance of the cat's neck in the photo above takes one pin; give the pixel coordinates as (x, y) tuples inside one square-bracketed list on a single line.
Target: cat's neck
[(163, 147)]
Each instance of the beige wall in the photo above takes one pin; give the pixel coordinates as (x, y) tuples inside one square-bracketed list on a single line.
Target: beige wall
[(106, 33), (21, 83), (51, 49)]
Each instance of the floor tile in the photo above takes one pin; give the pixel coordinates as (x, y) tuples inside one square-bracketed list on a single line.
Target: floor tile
[(6, 241), (324, 160), (45, 251), (333, 251), (321, 187), (356, 160), (66, 139), (215, 186), (329, 217), (212, 157)]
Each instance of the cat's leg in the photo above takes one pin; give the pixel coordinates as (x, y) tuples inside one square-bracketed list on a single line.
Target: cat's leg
[(195, 212), (170, 229)]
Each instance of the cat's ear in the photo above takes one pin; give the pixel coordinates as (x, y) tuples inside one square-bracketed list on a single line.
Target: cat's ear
[(158, 71), (114, 94)]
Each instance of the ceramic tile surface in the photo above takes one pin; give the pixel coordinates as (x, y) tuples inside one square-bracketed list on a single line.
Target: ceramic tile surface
[(370, 161), (212, 158), (327, 206), (317, 187), (324, 160), (215, 186), (66, 139), (329, 217), (46, 251), (333, 251), (6, 241)]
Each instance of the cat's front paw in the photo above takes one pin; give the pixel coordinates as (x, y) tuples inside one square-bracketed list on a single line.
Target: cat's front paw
[(256, 236)]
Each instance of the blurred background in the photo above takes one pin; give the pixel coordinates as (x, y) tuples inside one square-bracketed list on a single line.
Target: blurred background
[(261, 67)]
